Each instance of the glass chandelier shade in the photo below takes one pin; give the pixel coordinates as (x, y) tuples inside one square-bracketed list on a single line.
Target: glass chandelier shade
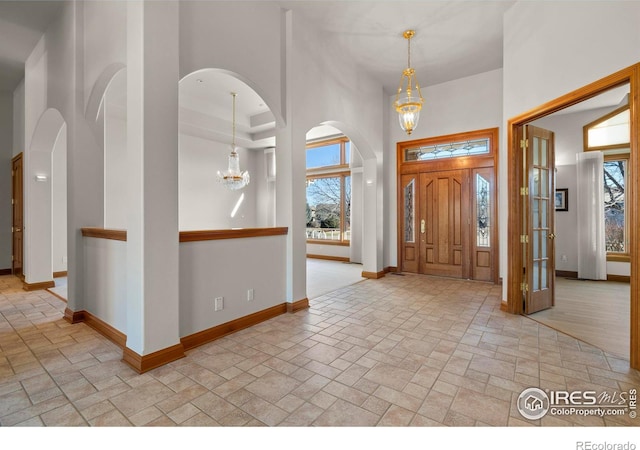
[(233, 178), (408, 103)]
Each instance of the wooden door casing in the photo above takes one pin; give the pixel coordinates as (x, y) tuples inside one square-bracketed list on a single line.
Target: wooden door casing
[(17, 215)]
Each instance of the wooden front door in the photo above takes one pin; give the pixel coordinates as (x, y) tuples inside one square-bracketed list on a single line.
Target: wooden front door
[(447, 206), (539, 240), (18, 216), (444, 223)]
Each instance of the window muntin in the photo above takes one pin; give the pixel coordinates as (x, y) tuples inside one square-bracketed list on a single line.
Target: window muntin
[(328, 192)]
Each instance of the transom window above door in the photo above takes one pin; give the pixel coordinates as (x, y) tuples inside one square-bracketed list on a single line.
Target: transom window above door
[(448, 150)]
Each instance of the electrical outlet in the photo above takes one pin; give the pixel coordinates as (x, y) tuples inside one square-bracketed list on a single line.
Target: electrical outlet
[(250, 295), (218, 303)]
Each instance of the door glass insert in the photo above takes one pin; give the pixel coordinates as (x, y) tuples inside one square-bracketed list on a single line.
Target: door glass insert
[(409, 211), (483, 212)]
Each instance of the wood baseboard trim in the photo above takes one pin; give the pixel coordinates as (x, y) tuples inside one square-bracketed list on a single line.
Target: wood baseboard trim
[(298, 306), (114, 335), (389, 269), (144, 363), (330, 258), (566, 274), (57, 295), (73, 316), (5, 271), (211, 334), (503, 305), (621, 278), (38, 286), (373, 275), (60, 274)]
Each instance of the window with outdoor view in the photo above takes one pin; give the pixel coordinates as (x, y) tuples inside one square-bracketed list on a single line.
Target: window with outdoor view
[(328, 211), (615, 171), (610, 134)]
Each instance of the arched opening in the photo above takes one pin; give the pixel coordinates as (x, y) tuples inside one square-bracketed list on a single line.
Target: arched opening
[(206, 134), (45, 180), (334, 210)]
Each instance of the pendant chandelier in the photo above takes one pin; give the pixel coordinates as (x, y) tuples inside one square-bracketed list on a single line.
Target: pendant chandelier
[(409, 103), (233, 178)]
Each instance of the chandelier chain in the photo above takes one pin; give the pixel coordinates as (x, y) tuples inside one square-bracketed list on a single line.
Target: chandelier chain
[(233, 124)]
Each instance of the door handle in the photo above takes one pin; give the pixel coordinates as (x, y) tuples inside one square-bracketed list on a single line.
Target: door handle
[(422, 225), (17, 229), (552, 236)]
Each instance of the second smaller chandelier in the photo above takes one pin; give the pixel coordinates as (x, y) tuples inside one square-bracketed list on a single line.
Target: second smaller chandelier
[(409, 103), (233, 178)]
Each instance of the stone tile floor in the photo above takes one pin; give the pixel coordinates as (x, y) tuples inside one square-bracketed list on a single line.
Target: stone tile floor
[(400, 351)]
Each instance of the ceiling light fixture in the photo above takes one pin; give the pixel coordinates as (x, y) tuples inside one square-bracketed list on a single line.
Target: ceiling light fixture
[(233, 178), (408, 105)]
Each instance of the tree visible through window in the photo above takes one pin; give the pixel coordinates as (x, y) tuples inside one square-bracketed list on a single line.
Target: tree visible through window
[(614, 205), (328, 212)]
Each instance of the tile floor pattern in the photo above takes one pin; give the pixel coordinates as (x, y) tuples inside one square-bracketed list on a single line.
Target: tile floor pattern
[(400, 351)]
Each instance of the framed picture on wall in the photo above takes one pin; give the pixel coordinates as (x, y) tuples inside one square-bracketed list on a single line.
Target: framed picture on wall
[(562, 200)]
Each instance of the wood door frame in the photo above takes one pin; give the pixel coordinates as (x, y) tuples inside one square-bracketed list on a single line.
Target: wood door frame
[(630, 75), (469, 162), (17, 157)]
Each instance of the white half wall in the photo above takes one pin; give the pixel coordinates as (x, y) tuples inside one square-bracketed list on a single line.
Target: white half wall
[(104, 282), (228, 268)]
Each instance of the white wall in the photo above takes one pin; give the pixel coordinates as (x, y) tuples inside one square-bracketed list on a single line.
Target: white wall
[(468, 104), (204, 203), (222, 268), (6, 154), (241, 37), (114, 119), (18, 119), (59, 202), (265, 187), (104, 283), (569, 48)]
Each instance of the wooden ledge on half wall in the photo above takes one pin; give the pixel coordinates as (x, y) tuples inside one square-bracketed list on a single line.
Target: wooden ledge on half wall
[(104, 233), (233, 233), (191, 236)]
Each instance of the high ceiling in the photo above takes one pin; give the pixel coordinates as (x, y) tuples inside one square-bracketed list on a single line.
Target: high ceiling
[(22, 23), (454, 38)]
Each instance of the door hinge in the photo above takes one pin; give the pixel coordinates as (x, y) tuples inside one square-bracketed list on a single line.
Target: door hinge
[(524, 287), (524, 238), (13, 173), (524, 190), (11, 258), (13, 201), (524, 143), (12, 229)]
